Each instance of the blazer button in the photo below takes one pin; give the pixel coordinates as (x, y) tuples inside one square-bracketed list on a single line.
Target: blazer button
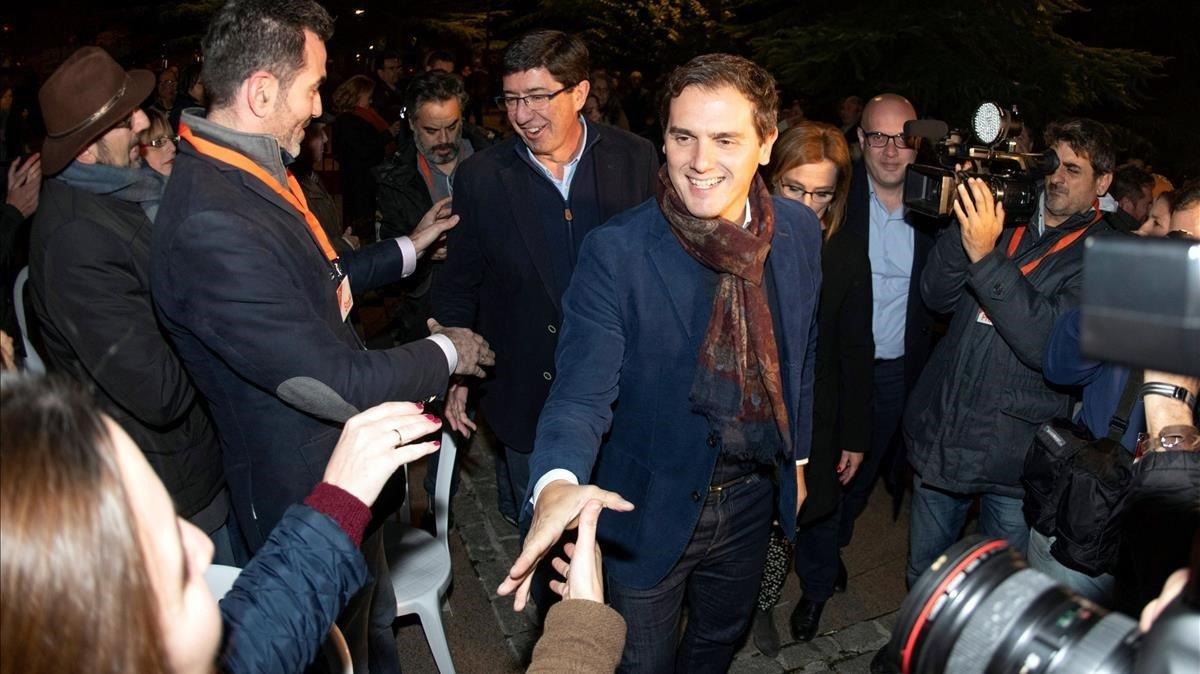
[(711, 441), (696, 496), (547, 376), (551, 329)]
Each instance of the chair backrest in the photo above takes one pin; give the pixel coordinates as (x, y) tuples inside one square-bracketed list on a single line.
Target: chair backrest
[(33, 362), (220, 579), (441, 490)]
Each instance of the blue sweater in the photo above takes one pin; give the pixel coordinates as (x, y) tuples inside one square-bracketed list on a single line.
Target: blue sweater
[(1102, 382)]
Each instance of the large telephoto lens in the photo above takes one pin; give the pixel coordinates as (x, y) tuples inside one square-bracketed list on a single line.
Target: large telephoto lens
[(979, 608)]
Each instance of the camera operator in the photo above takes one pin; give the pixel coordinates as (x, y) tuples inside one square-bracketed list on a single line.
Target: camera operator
[(978, 403)]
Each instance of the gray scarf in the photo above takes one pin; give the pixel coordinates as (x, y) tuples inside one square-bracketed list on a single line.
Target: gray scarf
[(141, 185)]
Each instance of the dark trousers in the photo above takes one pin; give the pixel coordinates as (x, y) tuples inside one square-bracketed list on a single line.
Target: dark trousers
[(718, 575), (890, 396), (366, 622), (816, 556)]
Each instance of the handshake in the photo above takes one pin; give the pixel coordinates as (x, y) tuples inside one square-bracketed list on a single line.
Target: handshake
[(473, 351)]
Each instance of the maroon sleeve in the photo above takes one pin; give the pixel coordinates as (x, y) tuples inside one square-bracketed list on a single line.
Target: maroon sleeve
[(351, 514)]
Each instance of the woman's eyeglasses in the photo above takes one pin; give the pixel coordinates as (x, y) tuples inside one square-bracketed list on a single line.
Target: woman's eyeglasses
[(161, 142)]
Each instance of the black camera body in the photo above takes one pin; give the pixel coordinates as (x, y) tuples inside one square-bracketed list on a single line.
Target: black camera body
[(1013, 177)]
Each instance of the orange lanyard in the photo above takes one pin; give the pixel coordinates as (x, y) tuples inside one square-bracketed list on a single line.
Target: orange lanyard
[(293, 195), (426, 171), (1059, 246)]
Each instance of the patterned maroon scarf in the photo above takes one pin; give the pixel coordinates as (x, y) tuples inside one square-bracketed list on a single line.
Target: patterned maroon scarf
[(737, 385)]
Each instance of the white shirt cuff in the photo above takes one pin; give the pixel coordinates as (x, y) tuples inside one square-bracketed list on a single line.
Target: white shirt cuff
[(551, 476), (447, 348), (802, 462), (410, 257)]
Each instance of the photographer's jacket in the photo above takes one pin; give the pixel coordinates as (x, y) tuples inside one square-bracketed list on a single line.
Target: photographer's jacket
[(979, 401)]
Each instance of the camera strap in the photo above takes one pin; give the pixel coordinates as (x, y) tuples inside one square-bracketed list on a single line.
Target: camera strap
[(1120, 418)]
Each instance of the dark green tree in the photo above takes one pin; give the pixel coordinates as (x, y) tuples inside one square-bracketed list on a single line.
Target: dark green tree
[(947, 55)]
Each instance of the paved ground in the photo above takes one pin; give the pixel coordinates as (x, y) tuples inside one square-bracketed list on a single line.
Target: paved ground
[(487, 636)]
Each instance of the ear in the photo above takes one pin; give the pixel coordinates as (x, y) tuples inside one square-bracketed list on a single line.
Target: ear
[(764, 152), (1102, 183), (260, 92), (89, 154), (579, 94)]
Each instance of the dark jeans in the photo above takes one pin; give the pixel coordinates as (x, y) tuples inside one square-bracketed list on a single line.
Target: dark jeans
[(890, 396), (718, 575)]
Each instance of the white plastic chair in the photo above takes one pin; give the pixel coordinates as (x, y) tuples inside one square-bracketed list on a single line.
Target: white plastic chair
[(220, 580), (420, 563), (33, 362)]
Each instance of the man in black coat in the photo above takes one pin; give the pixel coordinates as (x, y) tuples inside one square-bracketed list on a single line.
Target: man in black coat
[(977, 406), (90, 283), (255, 297), (525, 206), (898, 241)]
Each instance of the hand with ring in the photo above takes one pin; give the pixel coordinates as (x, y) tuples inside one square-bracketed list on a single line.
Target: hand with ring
[(377, 442)]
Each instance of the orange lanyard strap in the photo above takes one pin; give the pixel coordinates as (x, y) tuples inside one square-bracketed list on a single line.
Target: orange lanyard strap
[(426, 171), (1059, 246), (293, 195)]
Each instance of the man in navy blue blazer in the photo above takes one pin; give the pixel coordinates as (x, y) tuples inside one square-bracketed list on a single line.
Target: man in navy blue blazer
[(685, 367)]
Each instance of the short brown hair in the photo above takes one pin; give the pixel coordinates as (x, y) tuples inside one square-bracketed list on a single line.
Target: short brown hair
[(711, 71), (812, 143), (346, 96), (565, 56), (1086, 137), (74, 580)]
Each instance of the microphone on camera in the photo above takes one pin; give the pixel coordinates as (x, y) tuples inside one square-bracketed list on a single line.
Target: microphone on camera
[(931, 129), (316, 398)]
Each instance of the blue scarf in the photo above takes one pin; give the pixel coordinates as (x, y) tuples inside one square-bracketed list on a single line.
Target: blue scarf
[(141, 185)]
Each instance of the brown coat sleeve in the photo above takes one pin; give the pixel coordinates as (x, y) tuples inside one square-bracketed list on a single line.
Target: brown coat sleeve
[(581, 636)]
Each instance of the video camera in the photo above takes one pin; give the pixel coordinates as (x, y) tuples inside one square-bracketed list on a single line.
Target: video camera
[(1011, 176)]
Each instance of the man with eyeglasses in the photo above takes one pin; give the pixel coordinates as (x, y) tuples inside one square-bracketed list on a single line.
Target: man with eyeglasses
[(90, 284), (525, 205), (898, 243)]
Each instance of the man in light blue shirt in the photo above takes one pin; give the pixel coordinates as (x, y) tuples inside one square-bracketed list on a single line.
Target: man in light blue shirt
[(897, 244)]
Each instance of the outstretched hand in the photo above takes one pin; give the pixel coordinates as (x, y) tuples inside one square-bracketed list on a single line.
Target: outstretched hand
[(375, 443), (436, 221), (558, 509), (582, 570)]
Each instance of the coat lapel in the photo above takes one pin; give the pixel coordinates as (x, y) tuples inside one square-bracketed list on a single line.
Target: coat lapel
[(788, 278), (679, 275), (516, 181)]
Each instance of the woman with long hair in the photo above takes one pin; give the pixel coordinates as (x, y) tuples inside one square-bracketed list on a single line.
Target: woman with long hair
[(98, 573), (811, 164)]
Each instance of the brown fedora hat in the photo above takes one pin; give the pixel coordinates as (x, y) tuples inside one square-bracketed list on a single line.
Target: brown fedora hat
[(86, 95)]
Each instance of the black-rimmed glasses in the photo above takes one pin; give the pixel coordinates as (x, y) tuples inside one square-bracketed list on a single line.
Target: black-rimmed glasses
[(161, 142), (532, 101), (880, 139)]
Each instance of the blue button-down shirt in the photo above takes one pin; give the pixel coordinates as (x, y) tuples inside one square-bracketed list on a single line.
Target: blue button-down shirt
[(563, 186), (890, 248)]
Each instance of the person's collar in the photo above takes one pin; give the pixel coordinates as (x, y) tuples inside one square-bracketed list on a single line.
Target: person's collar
[(584, 141), (746, 220), (262, 149), (139, 185)]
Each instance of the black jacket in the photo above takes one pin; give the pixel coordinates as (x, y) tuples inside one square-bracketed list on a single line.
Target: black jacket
[(90, 288), (973, 414), (499, 275), (359, 147), (402, 195), (249, 301), (844, 370), (918, 333)]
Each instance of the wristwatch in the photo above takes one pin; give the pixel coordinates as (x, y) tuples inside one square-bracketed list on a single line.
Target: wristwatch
[(1180, 438), (1169, 390)]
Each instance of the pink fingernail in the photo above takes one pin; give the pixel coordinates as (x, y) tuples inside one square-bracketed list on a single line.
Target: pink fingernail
[(420, 406), (431, 417), (437, 443)]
